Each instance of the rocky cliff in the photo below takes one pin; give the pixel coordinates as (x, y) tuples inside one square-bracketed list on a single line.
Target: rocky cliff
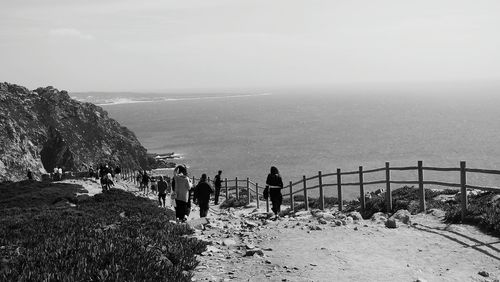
[(45, 128)]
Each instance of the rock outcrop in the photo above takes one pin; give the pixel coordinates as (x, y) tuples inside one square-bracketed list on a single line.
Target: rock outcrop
[(45, 128)]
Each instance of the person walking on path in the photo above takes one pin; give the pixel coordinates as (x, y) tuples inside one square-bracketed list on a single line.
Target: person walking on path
[(163, 190), (217, 184), (202, 195), (118, 172), (181, 185), (274, 184), (145, 183)]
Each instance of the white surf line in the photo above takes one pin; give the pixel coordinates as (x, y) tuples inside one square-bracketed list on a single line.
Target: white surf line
[(130, 101)]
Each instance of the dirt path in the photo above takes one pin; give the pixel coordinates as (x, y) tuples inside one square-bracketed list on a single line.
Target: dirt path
[(363, 251)]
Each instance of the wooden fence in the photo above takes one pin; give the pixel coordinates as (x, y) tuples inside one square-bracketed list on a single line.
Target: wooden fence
[(334, 180)]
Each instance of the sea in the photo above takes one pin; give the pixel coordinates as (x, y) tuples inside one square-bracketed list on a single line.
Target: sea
[(305, 131)]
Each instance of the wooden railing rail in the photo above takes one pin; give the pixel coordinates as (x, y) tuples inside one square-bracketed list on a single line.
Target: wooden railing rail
[(324, 181)]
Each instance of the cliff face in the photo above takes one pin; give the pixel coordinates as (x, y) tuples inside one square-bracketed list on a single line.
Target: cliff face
[(45, 128)]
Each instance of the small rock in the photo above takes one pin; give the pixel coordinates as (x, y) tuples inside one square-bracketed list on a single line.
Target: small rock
[(391, 223), (338, 222), (355, 215), (250, 253), (356, 228), (228, 242), (322, 221), (484, 273)]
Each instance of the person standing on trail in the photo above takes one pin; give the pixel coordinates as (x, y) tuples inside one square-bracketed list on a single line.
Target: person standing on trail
[(202, 195), (59, 173), (217, 184), (274, 184), (145, 182), (118, 172), (163, 190), (181, 185), (138, 180)]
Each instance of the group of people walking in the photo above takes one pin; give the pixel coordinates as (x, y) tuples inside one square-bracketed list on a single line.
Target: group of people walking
[(181, 192)]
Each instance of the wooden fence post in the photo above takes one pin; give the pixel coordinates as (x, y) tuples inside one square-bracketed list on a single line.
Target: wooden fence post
[(321, 195), (257, 193), (291, 197), (361, 189), (225, 185), (463, 189), (339, 189), (421, 189), (236, 185), (388, 193), (248, 190), (306, 201), (267, 201)]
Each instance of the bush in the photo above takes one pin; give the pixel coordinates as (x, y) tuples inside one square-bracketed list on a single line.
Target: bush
[(482, 210), (406, 198), (93, 242)]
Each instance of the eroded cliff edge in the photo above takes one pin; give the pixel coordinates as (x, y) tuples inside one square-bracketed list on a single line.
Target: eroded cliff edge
[(44, 128)]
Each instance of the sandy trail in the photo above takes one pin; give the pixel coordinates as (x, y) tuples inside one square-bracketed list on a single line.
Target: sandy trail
[(365, 251)]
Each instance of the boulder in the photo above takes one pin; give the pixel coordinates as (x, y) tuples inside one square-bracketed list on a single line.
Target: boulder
[(379, 216), (403, 216), (355, 215), (391, 223), (325, 216), (349, 220)]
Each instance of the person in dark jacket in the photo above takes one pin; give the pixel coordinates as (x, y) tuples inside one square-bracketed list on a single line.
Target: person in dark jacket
[(202, 193), (274, 184), (217, 184), (163, 190)]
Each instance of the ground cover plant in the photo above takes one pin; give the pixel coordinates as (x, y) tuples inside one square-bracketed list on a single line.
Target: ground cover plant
[(109, 237), (483, 210), (404, 198)]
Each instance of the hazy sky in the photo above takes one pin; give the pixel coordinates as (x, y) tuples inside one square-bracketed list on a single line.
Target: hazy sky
[(147, 45)]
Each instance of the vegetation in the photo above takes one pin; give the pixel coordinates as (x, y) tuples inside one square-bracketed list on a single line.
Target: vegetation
[(406, 198), (112, 236), (483, 210)]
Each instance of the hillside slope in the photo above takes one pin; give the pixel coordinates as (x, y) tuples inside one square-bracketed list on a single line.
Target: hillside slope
[(45, 128)]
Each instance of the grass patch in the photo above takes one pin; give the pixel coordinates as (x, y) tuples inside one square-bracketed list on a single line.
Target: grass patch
[(113, 236)]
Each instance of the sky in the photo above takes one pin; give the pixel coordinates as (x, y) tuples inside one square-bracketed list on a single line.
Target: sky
[(157, 45)]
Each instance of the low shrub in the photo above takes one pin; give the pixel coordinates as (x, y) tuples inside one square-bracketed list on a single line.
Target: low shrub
[(406, 198), (113, 236), (482, 210)]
